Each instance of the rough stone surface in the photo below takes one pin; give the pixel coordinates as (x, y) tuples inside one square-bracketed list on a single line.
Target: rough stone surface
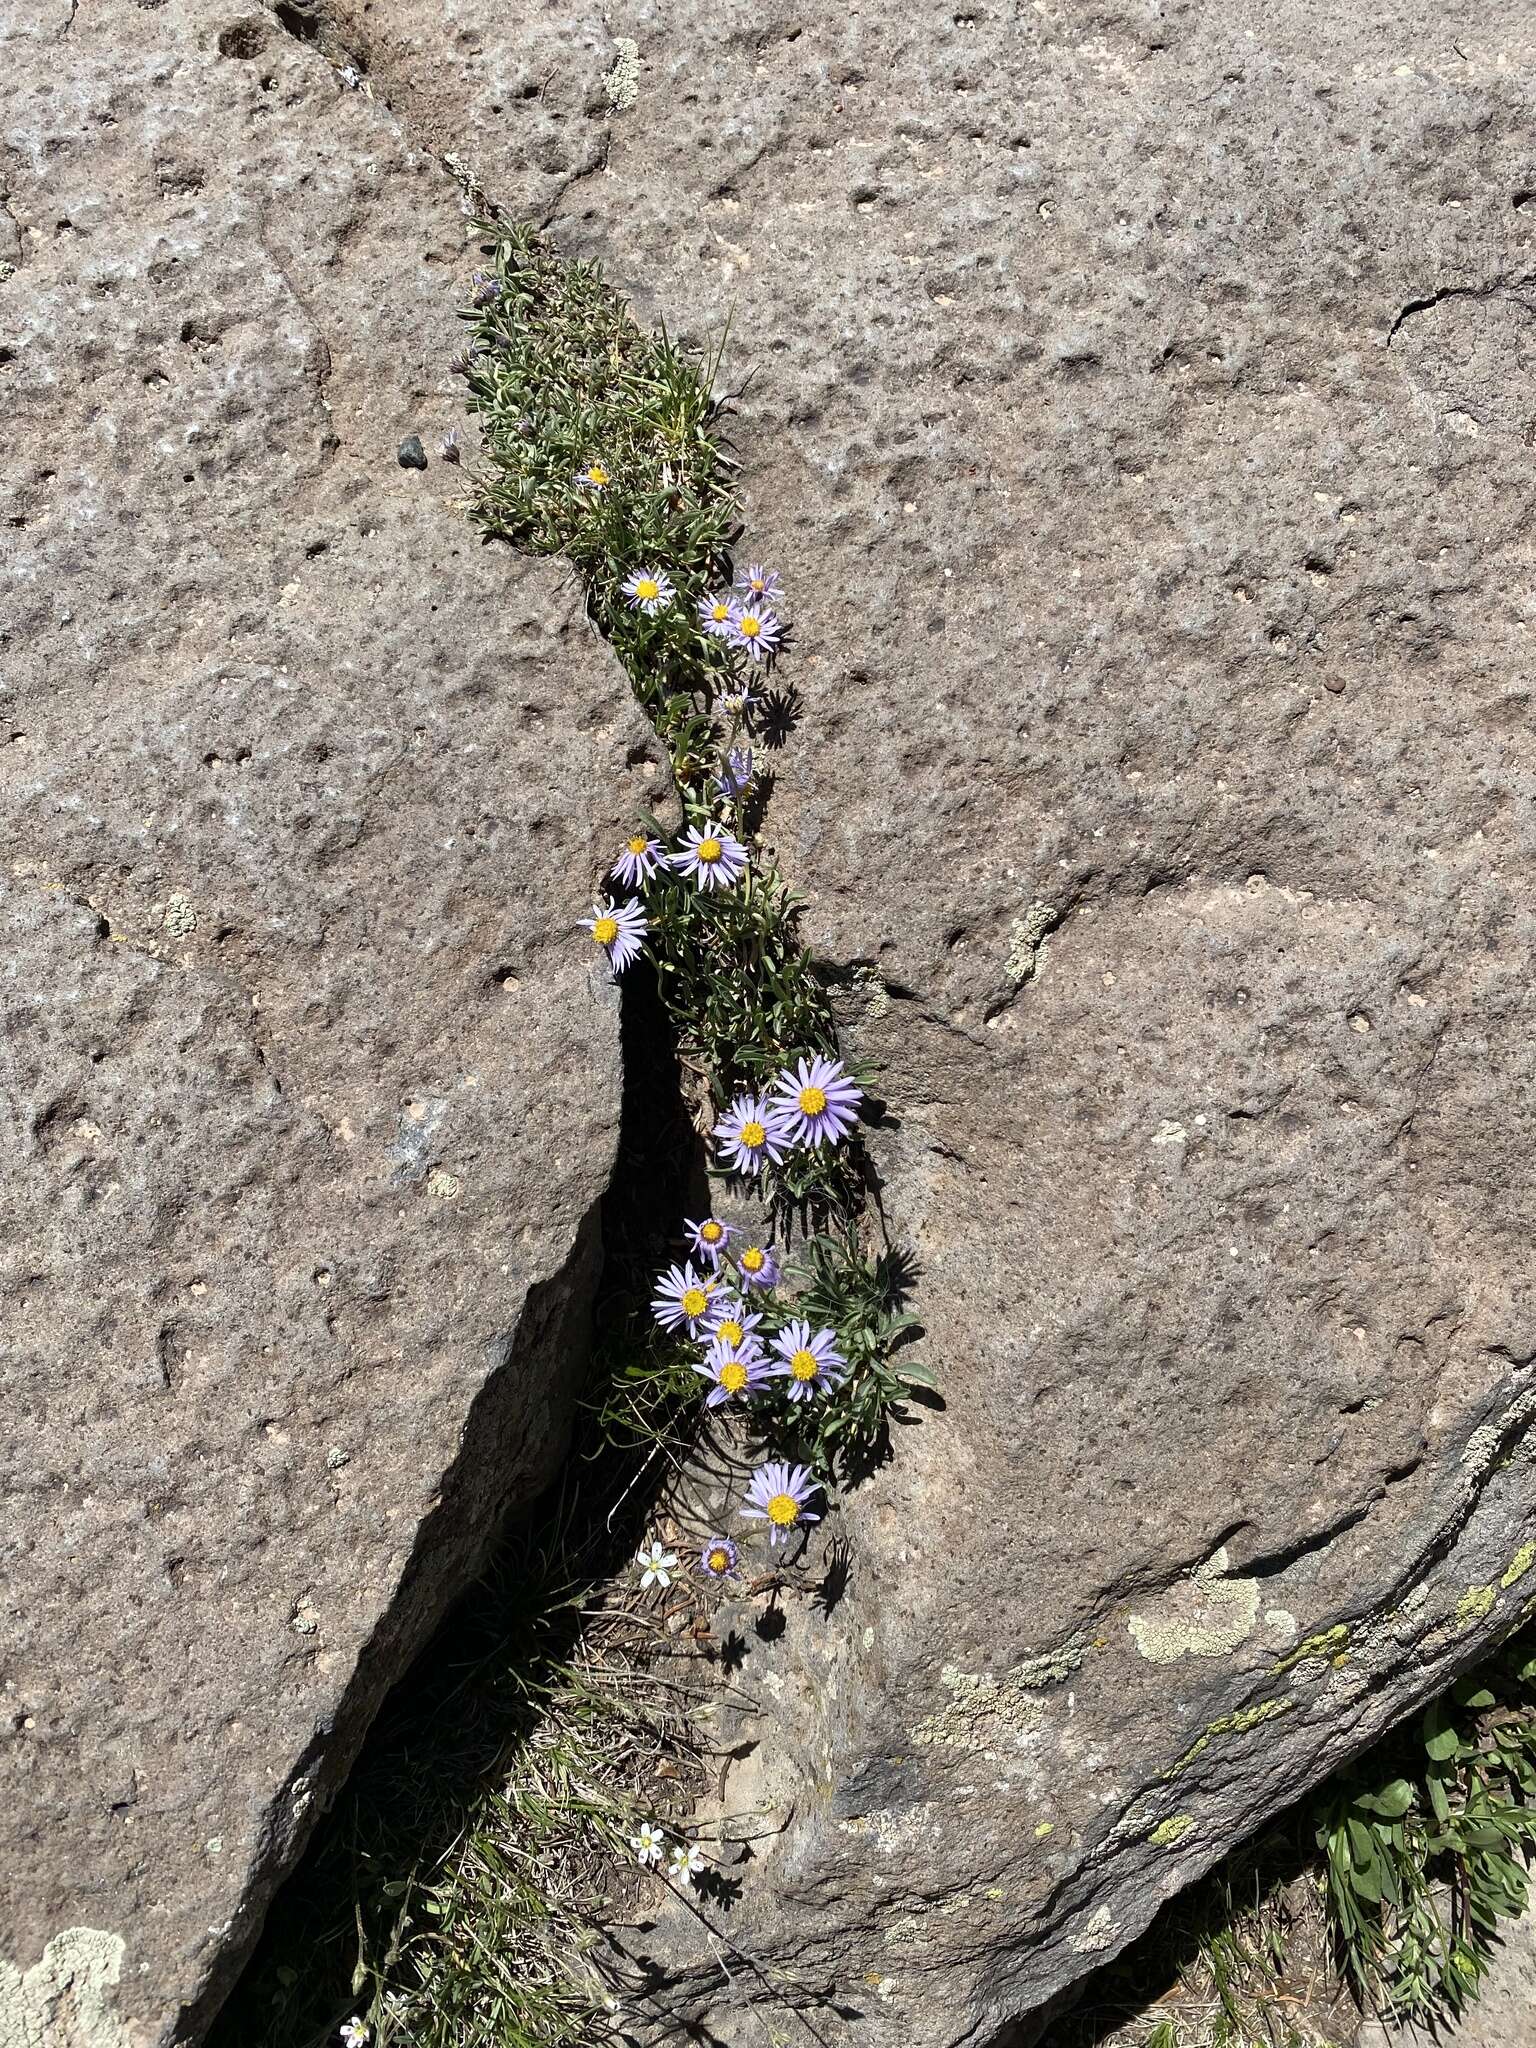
[(1140, 405), (309, 1095)]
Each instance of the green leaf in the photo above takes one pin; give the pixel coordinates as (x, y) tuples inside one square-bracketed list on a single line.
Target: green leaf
[(1441, 1741), (1391, 1802)]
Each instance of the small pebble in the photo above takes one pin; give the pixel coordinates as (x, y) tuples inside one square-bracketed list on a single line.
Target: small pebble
[(1335, 684), (412, 454)]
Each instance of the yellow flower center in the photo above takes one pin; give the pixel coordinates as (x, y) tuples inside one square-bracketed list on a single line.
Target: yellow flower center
[(709, 850), (804, 1366), (719, 1560), (638, 844), (749, 625), (753, 1135), (695, 1301), (647, 587), (605, 930), (719, 612), (812, 1101), (752, 1260), (784, 1510), (711, 1232), (597, 474), (733, 1333), (733, 1376)]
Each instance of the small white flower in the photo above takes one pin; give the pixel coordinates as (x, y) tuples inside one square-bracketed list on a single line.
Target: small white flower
[(650, 1844), (354, 2034), (656, 1566), (687, 1861)]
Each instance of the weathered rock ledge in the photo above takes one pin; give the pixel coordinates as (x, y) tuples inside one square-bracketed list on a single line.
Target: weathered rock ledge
[(311, 1098), (1138, 402)]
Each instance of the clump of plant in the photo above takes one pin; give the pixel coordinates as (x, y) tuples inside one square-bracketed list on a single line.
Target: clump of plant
[(422, 1919), (1427, 1839), (604, 446)]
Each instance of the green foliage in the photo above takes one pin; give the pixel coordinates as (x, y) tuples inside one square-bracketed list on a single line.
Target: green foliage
[(562, 379), (860, 1296), (1425, 1840), (451, 1922)]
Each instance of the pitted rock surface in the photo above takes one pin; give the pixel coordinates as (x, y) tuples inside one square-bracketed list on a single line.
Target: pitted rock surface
[(1137, 399), (311, 1086)]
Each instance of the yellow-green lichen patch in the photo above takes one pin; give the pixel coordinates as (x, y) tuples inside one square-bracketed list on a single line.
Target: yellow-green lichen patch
[(981, 1712), (1474, 1604), (1044, 1828), (73, 1976), (1171, 1830), (1205, 1615), (1333, 1643), (1240, 1723), (1519, 1565)]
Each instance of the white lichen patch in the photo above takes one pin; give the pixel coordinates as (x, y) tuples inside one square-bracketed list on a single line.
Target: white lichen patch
[(1096, 1934), (1026, 954), (867, 987), (622, 85), (982, 1713), (1205, 1615), (889, 1830), (63, 2001), (179, 918)]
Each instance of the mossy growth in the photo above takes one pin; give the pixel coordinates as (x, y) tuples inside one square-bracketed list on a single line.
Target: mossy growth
[(1241, 1723), (1475, 1605), (1331, 1643), (1172, 1830)]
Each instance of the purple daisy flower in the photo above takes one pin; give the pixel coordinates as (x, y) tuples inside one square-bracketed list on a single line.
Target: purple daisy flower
[(758, 1266), (649, 591), (682, 1299), (778, 1496), (817, 1100), (755, 630), (735, 776), (715, 614), (811, 1363), (735, 1371), (730, 1319), (717, 1557), (710, 1237), (751, 1131), (594, 477), (638, 862), (619, 929), (713, 858), (759, 585), (737, 701)]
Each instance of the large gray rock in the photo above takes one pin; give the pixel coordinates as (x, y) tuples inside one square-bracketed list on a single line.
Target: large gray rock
[(1140, 406), (311, 1089)]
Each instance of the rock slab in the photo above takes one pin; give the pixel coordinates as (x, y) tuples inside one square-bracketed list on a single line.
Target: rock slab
[(1138, 401), (311, 1089)]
